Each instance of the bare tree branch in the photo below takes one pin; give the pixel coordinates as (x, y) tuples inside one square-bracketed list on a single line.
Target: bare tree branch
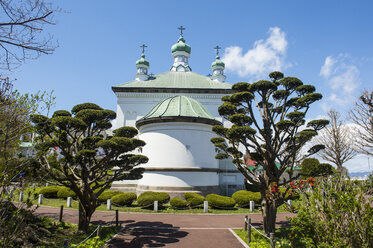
[(338, 141), (22, 31), (362, 116)]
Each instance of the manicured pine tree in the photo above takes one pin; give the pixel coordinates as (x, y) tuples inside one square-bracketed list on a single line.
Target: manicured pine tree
[(87, 161), (267, 117)]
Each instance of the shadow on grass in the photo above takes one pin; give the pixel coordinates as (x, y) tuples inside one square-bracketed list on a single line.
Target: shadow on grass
[(147, 234)]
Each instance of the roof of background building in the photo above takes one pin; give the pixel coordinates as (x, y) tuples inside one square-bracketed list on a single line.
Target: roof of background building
[(176, 80)]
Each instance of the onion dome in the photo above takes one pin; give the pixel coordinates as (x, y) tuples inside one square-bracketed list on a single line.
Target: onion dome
[(217, 62), (218, 68), (178, 109), (181, 53), (181, 46), (142, 61), (142, 66)]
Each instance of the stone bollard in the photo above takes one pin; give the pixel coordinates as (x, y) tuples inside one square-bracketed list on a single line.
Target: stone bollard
[(155, 206), (34, 185), (69, 200), (47, 184), (205, 206), (252, 206), (108, 204), (40, 199), (290, 202), (21, 196)]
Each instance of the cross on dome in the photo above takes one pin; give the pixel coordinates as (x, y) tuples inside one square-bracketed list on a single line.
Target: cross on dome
[(217, 50), (143, 47), (181, 28)]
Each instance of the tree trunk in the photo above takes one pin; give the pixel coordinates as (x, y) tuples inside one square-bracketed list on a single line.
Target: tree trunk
[(85, 214), (269, 213)]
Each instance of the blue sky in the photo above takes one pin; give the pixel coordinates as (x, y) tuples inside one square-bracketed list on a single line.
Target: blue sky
[(325, 43)]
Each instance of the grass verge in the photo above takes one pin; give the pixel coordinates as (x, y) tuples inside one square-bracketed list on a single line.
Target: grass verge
[(258, 241)]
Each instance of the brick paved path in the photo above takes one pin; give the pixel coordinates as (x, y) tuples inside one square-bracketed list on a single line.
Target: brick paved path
[(168, 230)]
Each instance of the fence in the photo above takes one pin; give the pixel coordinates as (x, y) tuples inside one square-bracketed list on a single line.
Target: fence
[(248, 227)]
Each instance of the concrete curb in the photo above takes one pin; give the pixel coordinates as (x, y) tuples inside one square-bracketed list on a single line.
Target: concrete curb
[(239, 239)]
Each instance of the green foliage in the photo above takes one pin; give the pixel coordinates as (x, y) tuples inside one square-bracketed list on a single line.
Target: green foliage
[(65, 192), (218, 201), (89, 156), (176, 202), (127, 132), (311, 167), (61, 113), (243, 197), (336, 213), (106, 195), (193, 199), (318, 124), (267, 117), (50, 191), (124, 199), (276, 75), (147, 198), (91, 243)]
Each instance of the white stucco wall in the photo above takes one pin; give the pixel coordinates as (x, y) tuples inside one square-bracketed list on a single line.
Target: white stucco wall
[(179, 179), (178, 144), (132, 106)]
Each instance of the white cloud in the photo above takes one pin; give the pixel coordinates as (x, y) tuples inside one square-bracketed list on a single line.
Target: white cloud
[(326, 69), (265, 56), (340, 73), (343, 77)]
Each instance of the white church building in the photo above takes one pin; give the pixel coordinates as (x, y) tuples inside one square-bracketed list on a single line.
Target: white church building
[(174, 112)]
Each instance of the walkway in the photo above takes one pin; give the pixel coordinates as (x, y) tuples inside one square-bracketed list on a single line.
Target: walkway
[(168, 230)]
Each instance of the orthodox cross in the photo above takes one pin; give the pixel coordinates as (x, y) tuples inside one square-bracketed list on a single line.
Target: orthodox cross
[(143, 47), (181, 28), (217, 50)]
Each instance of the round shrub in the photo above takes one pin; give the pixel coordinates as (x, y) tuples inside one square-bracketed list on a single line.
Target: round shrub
[(65, 192), (50, 191), (243, 197), (176, 202), (124, 199), (218, 201), (148, 197), (193, 199), (108, 195)]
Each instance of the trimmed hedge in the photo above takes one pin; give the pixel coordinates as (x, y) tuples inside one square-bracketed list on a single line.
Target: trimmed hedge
[(243, 197), (218, 201), (106, 195), (124, 199), (176, 202), (65, 192), (49, 192), (193, 199), (148, 197)]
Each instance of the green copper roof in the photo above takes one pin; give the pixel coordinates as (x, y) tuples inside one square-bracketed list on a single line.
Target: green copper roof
[(218, 62), (142, 61), (179, 106), (175, 80), (181, 46), (178, 109)]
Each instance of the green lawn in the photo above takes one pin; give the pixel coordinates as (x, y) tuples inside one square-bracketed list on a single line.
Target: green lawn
[(258, 241), (57, 202), (61, 231)]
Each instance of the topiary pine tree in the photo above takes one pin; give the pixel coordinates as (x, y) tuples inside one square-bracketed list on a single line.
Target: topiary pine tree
[(266, 117), (85, 160), (311, 167)]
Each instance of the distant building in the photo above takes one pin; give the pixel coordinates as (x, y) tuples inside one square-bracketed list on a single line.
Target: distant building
[(174, 112)]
